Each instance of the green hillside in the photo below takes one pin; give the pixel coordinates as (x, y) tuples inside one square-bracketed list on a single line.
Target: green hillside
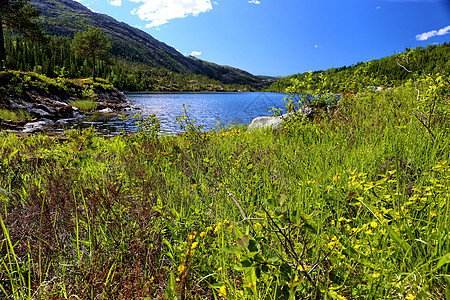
[(131, 45), (384, 72)]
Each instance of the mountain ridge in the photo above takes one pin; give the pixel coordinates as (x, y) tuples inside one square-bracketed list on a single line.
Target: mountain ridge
[(66, 17)]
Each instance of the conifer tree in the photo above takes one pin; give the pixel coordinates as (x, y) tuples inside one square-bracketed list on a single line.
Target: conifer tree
[(93, 44), (19, 15)]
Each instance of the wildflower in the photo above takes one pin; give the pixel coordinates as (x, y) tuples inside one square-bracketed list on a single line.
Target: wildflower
[(433, 214), (223, 291), (225, 222), (410, 297), (376, 275), (219, 269), (194, 245), (340, 297), (202, 234), (374, 224), (251, 284), (302, 268), (218, 226), (192, 235), (181, 268), (369, 232)]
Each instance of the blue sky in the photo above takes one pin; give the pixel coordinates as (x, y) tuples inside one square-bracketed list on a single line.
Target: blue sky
[(284, 37)]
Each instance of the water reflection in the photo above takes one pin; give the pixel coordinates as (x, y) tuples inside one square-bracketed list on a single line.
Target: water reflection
[(207, 108)]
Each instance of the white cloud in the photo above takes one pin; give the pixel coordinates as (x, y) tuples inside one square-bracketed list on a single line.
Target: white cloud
[(196, 53), (254, 2), (216, 3), (115, 2), (426, 35), (159, 12), (378, 7)]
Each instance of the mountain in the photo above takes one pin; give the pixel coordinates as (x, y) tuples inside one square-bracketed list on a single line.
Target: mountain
[(66, 17)]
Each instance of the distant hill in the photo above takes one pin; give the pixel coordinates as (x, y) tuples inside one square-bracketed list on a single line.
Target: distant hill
[(385, 71), (66, 17)]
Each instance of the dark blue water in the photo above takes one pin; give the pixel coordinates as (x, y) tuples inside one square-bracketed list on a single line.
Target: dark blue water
[(207, 108)]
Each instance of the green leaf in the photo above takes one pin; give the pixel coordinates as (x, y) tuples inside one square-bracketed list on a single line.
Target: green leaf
[(394, 235), (243, 241), (443, 260), (246, 263), (253, 246)]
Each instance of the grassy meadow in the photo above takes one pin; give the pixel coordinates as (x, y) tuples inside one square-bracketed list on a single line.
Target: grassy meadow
[(353, 204)]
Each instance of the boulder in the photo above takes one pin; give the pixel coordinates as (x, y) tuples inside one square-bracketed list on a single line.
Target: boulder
[(106, 111), (36, 126), (263, 122), (277, 122)]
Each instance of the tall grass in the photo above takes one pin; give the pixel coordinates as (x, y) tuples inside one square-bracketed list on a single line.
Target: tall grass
[(19, 115), (84, 105), (353, 204)]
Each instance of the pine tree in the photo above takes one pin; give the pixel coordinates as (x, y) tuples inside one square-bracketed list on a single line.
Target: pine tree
[(19, 15), (93, 44)]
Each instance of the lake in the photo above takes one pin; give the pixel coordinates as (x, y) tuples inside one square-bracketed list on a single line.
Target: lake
[(207, 108)]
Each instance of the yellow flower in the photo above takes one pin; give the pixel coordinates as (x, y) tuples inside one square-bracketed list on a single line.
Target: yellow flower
[(219, 269), (226, 222), (194, 245), (374, 224), (251, 284), (339, 297), (181, 268), (433, 214), (223, 291), (369, 232), (410, 297), (376, 275), (192, 235), (301, 268), (202, 234), (296, 278)]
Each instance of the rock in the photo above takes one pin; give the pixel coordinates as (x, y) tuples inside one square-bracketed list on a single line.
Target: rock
[(36, 126), (263, 122), (106, 111), (39, 113), (65, 111), (277, 122)]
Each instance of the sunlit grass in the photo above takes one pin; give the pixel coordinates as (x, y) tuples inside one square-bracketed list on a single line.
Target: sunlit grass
[(350, 205), (84, 105)]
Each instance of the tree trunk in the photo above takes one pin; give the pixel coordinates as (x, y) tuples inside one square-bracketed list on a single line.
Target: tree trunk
[(2, 46), (93, 69)]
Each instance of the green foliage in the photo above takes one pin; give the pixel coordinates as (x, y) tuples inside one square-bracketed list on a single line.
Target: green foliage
[(19, 115), (57, 55), (353, 204), (383, 72), (93, 44), (18, 15), (84, 105)]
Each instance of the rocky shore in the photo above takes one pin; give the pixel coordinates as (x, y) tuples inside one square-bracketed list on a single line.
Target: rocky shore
[(47, 103)]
